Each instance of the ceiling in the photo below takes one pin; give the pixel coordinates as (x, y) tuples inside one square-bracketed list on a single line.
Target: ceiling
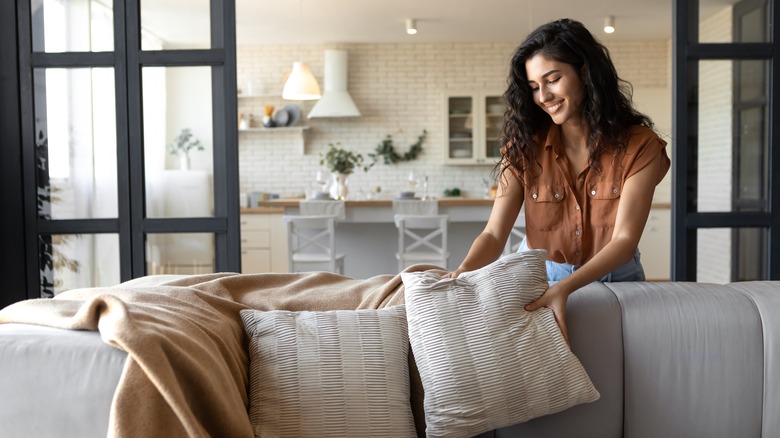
[(180, 22), (383, 21), (438, 21)]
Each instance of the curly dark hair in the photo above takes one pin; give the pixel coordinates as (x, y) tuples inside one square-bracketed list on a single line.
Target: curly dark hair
[(607, 106)]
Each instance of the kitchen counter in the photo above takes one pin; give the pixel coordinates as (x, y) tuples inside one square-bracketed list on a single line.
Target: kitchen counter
[(455, 201), (369, 237)]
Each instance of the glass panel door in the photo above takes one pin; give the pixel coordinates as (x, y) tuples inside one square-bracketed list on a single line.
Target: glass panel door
[(123, 143)]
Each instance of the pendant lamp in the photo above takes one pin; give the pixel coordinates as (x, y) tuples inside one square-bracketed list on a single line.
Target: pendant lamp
[(301, 84)]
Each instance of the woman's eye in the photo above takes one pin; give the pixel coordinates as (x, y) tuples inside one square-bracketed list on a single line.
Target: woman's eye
[(552, 81)]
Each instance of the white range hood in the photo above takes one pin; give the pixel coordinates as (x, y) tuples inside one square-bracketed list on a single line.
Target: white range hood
[(335, 100)]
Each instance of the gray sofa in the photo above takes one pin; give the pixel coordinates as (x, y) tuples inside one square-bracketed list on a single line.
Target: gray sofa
[(669, 359)]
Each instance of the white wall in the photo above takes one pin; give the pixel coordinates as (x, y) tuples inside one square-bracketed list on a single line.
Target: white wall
[(398, 88), (715, 163)]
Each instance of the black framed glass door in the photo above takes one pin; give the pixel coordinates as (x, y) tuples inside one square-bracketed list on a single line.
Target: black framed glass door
[(129, 148), (724, 195)]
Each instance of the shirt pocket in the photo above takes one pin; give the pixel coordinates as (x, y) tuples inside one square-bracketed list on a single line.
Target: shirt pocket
[(605, 198), (544, 207)]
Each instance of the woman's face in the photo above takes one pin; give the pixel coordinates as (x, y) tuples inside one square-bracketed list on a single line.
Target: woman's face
[(557, 88)]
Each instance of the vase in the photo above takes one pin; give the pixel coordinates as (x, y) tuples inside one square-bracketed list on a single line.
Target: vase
[(339, 189), (184, 161)]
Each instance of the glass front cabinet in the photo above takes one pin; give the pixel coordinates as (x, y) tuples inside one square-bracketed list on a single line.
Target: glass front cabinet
[(472, 127)]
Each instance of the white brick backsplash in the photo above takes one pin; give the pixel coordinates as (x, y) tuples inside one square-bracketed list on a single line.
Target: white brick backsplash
[(398, 89)]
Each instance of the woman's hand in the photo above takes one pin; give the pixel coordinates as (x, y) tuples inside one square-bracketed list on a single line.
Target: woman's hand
[(555, 298), (454, 274)]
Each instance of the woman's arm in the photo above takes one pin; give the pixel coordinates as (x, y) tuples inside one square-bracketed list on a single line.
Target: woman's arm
[(634, 207), (489, 245)]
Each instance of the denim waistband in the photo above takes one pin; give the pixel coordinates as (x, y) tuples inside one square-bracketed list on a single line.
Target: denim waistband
[(631, 271)]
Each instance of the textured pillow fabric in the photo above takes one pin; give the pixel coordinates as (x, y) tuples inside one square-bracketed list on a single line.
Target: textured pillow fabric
[(337, 373), (485, 362)]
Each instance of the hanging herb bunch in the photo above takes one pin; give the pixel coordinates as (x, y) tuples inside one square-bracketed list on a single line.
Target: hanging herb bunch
[(385, 151)]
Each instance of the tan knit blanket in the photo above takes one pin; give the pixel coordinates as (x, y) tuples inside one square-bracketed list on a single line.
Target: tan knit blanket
[(187, 367)]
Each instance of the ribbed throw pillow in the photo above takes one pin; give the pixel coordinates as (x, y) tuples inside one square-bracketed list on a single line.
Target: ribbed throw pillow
[(485, 362), (338, 373)]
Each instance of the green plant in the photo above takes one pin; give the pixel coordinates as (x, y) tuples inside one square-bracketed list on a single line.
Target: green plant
[(184, 142), (386, 151), (340, 160)]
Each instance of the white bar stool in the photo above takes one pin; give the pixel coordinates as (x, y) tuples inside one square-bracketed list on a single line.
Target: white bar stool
[(311, 241), (422, 239)]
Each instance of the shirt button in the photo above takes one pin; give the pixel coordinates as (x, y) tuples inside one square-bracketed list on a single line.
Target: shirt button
[(614, 190), (577, 253), (577, 207), (577, 232), (593, 193), (557, 196), (534, 196)]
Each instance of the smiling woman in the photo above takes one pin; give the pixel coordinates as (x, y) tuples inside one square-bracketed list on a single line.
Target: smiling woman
[(581, 160)]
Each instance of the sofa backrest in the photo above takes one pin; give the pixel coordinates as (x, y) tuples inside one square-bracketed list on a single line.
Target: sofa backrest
[(672, 359)]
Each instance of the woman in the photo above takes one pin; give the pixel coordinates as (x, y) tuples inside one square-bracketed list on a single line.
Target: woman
[(580, 158)]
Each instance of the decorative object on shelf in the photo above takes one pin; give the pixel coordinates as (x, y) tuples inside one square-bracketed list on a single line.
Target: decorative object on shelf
[(341, 163), (268, 121), (386, 151), (243, 123), (294, 111), (182, 145), (281, 117)]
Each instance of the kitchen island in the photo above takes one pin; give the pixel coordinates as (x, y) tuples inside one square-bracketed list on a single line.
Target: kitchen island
[(368, 235)]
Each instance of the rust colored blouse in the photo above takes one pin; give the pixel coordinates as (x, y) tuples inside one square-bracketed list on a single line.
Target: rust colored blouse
[(573, 220)]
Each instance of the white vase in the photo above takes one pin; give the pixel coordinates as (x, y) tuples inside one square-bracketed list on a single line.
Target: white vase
[(339, 189), (184, 161)]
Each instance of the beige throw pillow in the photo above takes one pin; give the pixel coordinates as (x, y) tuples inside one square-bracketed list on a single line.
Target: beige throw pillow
[(485, 362), (338, 373)]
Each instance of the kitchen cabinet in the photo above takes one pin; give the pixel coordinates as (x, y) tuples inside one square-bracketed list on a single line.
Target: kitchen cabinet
[(472, 127), (656, 244), (263, 243)]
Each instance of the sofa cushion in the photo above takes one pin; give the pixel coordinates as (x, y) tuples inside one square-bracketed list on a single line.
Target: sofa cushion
[(693, 360), (335, 373), (484, 361)]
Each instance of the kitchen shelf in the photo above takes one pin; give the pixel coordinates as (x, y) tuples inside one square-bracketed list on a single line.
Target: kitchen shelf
[(279, 129)]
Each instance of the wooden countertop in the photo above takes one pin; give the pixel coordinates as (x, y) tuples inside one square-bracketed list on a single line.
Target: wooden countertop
[(277, 206), (284, 203)]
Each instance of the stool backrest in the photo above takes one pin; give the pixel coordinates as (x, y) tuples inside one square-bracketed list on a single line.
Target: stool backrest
[(422, 238), (415, 206), (313, 236)]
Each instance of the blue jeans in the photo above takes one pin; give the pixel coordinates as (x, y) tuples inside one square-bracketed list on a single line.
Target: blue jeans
[(631, 271)]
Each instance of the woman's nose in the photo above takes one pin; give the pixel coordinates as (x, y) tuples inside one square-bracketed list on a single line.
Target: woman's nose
[(544, 94)]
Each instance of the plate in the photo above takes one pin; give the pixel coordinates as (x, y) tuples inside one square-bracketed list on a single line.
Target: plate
[(295, 114), (281, 117)]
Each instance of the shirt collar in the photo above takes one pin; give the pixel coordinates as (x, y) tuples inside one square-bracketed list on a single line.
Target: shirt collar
[(553, 141)]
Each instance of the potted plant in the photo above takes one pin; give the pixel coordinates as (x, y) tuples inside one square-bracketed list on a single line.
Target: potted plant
[(341, 163), (182, 145)]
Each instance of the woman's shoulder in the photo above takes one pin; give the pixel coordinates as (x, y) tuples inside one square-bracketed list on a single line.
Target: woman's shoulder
[(642, 131)]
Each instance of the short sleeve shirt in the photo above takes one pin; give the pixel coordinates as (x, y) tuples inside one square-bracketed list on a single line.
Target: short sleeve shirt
[(574, 219)]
